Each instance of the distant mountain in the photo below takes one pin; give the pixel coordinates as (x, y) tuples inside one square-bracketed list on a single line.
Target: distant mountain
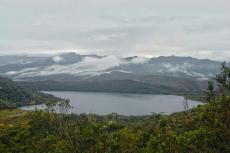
[(92, 72), (13, 94), (174, 86)]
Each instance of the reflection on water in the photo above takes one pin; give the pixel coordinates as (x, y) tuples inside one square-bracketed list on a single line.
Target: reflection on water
[(124, 104)]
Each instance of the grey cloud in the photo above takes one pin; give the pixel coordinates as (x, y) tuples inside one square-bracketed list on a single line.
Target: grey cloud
[(147, 28), (88, 66), (180, 69)]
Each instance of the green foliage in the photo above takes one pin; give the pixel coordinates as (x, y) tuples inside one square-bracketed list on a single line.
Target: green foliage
[(7, 104), (224, 77), (61, 106), (205, 129), (210, 93), (13, 95)]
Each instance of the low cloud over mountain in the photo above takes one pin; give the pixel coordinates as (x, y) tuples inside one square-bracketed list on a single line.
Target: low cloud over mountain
[(92, 72), (92, 65)]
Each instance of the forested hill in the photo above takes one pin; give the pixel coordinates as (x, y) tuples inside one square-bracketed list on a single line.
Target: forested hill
[(75, 72), (13, 95), (205, 129)]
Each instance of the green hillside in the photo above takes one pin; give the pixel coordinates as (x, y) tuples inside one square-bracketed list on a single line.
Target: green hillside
[(13, 95), (205, 129)]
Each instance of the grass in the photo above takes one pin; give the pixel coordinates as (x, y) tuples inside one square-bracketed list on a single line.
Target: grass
[(13, 117)]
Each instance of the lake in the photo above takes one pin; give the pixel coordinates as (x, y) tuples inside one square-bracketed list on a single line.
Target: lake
[(123, 104)]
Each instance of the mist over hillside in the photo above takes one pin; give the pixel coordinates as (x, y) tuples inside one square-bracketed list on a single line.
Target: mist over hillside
[(71, 71), (110, 67)]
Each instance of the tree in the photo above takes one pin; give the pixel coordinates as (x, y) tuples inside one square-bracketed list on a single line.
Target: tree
[(223, 78), (210, 93), (50, 105), (185, 104), (7, 104), (64, 106)]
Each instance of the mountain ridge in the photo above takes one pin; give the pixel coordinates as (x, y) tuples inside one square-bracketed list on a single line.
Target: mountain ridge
[(164, 74), (20, 67)]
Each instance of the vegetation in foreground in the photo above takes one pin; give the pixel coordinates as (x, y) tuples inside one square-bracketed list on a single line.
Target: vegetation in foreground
[(205, 129)]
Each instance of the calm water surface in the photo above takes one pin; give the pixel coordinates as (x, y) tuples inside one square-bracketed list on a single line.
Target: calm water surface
[(124, 104)]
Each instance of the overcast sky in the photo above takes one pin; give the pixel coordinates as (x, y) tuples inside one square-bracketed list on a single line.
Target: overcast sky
[(198, 28)]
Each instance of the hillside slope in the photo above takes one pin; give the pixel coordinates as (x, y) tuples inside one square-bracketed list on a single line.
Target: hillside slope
[(14, 95), (76, 72)]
